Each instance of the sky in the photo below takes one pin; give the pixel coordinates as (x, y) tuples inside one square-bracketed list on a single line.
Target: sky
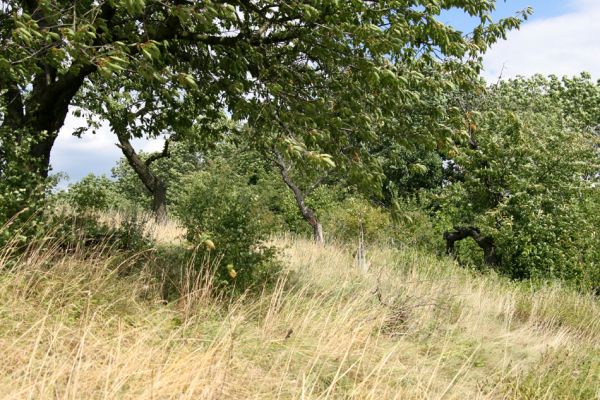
[(562, 37)]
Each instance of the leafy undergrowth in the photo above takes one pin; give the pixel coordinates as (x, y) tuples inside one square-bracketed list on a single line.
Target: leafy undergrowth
[(93, 326)]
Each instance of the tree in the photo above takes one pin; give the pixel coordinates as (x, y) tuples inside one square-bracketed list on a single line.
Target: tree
[(300, 194), (183, 159), (136, 111), (527, 182), (222, 49), (348, 125)]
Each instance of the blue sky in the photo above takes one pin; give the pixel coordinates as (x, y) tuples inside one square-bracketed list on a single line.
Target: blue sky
[(562, 38), (542, 9)]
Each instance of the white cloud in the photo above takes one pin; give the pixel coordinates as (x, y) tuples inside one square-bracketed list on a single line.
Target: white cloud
[(563, 45)]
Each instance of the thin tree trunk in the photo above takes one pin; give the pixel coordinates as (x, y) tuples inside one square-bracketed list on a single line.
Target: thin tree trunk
[(307, 213), (151, 181), (317, 232)]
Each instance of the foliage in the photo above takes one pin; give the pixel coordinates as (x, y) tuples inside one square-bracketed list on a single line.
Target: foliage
[(91, 193), (409, 171), (353, 214), (408, 224), (415, 225), (21, 191), (226, 220), (528, 179), (334, 71)]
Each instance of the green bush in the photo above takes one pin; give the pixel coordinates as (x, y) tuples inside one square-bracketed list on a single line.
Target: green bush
[(345, 220), (407, 224), (86, 229), (227, 220), (414, 225), (92, 193)]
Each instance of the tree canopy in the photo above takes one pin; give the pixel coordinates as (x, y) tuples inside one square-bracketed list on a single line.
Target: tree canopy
[(525, 185), (231, 54)]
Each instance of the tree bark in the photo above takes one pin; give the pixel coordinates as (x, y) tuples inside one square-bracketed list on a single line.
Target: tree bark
[(44, 112), (151, 181), (159, 203), (486, 243), (317, 231), (307, 213)]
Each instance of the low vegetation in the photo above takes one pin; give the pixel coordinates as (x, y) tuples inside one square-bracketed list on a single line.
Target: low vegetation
[(94, 323)]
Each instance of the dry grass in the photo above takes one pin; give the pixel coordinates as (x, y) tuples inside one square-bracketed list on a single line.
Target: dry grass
[(84, 326), (170, 232)]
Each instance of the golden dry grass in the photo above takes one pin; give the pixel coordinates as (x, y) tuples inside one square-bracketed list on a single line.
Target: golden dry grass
[(84, 326), (170, 232)]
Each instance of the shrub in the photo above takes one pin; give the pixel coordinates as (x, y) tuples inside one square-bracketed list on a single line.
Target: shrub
[(345, 221), (225, 219), (415, 226), (130, 233), (92, 193)]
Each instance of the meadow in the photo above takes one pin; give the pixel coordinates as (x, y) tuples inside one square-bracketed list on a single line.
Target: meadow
[(90, 323)]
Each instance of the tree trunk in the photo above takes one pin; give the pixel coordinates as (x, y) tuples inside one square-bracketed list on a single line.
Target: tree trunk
[(153, 183), (317, 231), (486, 243), (307, 213), (159, 203), (47, 110)]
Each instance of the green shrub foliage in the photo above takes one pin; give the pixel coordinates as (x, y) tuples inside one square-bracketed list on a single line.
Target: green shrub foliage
[(92, 193), (225, 218)]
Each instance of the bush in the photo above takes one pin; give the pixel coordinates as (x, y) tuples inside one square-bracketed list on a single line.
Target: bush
[(129, 233), (415, 226), (92, 193), (225, 219), (345, 221), (407, 224)]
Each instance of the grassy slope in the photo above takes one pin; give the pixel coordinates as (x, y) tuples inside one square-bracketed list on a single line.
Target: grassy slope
[(75, 327)]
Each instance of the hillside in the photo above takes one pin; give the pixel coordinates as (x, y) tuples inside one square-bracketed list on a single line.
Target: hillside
[(84, 326)]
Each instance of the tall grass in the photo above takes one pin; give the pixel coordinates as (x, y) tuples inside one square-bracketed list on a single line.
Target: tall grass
[(93, 325)]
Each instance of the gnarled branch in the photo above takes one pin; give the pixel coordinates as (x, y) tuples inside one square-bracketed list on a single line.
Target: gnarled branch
[(157, 156), (486, 243)]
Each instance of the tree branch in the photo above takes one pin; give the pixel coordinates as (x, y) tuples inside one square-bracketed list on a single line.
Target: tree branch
[(141, 169), (486, 243), (157, 156)]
